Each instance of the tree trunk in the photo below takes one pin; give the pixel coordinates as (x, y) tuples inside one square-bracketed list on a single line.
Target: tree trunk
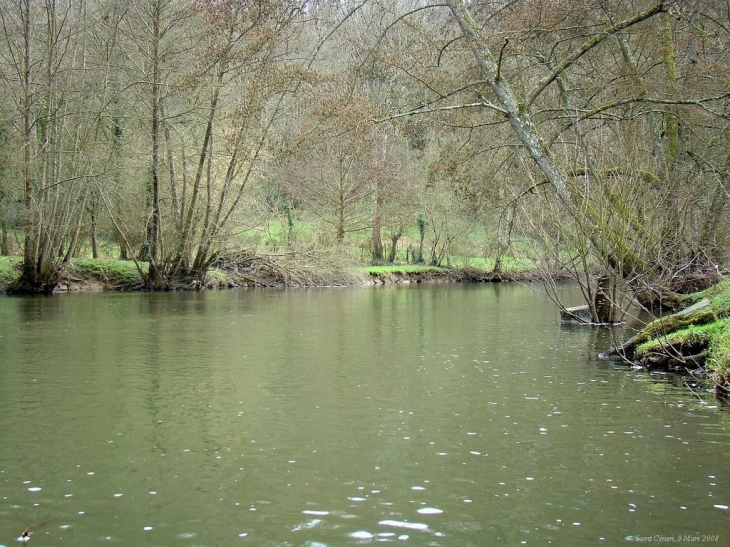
[(393, 246), (376, 246), (154, 276), (517, 113), (421, 221), (35, 277), (602, 301), (4, 240), (29, 247), (94, 235)]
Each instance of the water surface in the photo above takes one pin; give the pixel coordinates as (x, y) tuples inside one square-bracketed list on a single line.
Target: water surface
[(436, 415)]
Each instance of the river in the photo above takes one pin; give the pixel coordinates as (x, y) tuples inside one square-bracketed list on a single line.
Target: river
[(436, 415)]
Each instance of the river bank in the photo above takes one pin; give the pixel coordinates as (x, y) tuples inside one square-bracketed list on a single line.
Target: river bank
[(124, 275), (694, 340)]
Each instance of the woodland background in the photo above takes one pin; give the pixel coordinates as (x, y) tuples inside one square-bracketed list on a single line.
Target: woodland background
[(589, 136)]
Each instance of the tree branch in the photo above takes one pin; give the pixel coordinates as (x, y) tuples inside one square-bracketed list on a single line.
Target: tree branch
[(499, 60), (587, 46), (422, 110)]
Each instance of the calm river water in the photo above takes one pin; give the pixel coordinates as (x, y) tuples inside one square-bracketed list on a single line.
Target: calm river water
[(442, 415)]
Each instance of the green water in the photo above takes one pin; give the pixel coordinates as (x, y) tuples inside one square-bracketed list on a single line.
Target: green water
[(441, 415)]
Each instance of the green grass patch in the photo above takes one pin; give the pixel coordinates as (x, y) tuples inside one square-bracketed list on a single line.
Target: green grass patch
[(719, 296), (711, 339), (216, 277), (719, 354), (113, 273), (691, 335), (715, 337), (9, 269)]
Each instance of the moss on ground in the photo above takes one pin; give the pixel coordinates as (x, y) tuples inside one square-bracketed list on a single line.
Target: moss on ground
[(686, 339)]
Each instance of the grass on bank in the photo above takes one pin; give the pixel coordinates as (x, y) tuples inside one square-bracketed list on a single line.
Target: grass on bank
[(9, 269), (113, 274), (718, 295), (712, 338)]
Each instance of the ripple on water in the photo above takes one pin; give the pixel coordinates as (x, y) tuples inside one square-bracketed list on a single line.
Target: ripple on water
[(402, 524), (307, 525)]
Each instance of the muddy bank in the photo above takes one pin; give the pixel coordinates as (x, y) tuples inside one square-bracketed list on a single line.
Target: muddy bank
[(276, 278), (462, 275)]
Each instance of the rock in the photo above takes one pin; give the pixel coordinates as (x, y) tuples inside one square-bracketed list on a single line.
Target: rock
[(576, 314)]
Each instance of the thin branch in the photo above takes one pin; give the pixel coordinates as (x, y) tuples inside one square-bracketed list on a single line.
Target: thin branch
[(417, 111), (588, 114), (587, 46), (499, 60)]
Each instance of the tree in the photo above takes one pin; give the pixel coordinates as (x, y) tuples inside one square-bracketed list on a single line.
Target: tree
[(330, 159), (572, 81), (7, 193), (44, 73)]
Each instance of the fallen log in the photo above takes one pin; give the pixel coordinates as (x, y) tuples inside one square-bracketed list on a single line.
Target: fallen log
[(700, 313)]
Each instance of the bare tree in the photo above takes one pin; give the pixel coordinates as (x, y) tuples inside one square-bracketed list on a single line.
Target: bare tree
[(575, 82), (44, 72)]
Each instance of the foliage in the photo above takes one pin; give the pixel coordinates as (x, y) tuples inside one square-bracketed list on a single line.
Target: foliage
[(9, 269)]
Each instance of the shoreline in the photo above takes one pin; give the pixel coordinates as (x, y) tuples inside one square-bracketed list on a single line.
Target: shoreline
[(226, 280), (103, 275)]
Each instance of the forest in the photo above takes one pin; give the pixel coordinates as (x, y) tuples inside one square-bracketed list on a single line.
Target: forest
[(586, 136)]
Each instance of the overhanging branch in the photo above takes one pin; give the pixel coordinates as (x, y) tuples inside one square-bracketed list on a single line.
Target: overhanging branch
[(587, 46)]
